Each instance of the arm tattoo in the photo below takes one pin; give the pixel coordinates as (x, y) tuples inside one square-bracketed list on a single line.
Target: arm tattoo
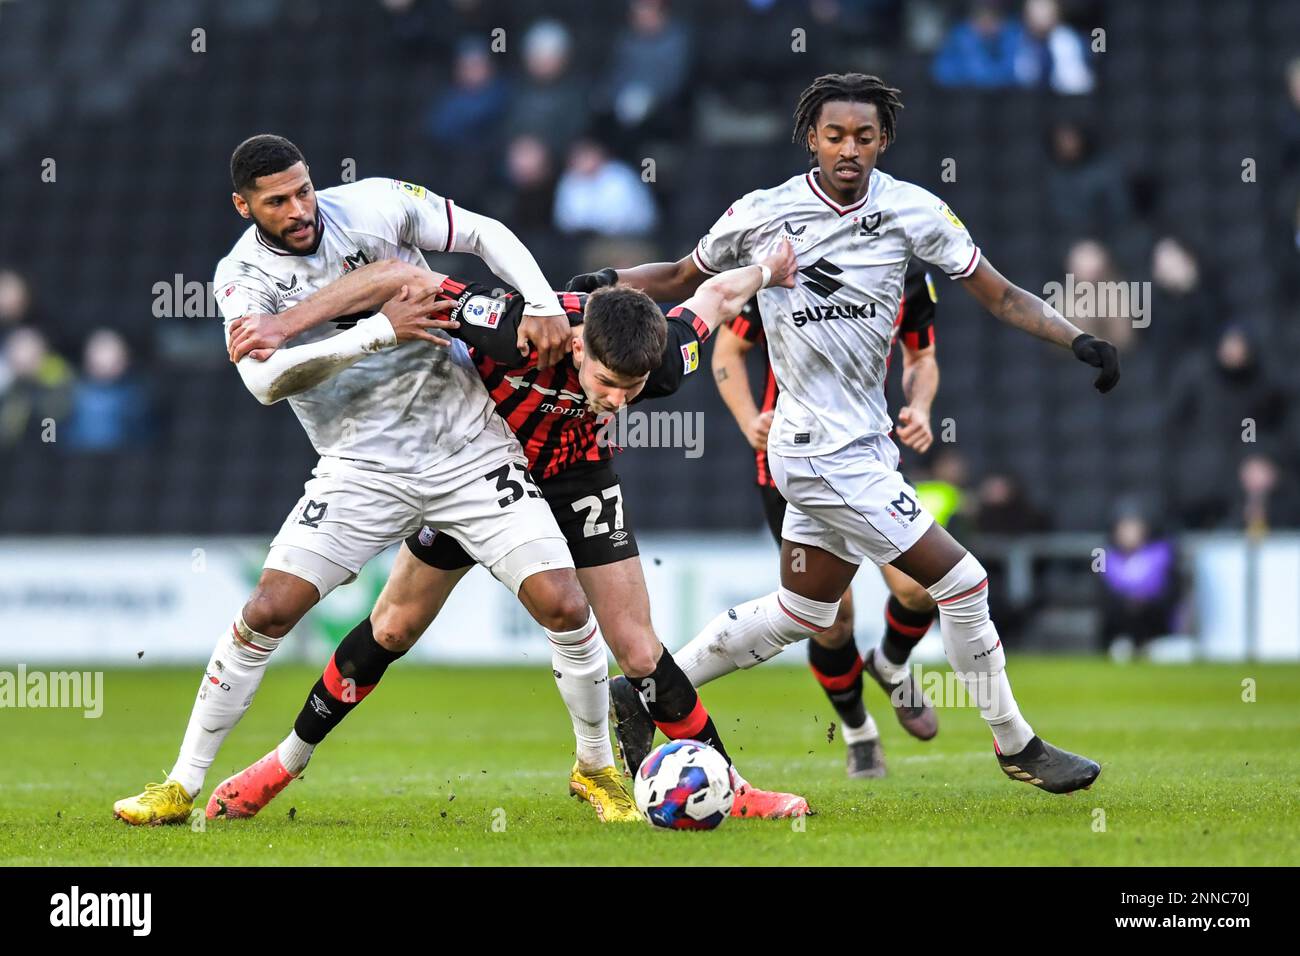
[(1027, 311), (720, 375)]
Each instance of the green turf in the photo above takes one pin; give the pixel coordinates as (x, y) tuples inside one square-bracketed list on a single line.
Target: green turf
[(418, 775)]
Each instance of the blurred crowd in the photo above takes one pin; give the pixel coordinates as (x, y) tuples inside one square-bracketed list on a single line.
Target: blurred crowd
[(96, 402), (567, 139)]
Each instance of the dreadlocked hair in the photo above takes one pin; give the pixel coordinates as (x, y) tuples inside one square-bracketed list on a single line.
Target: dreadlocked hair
[(854, 87)]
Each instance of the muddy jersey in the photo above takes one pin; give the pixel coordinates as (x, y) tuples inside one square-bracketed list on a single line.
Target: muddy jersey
[(400, 409), (830, 336)]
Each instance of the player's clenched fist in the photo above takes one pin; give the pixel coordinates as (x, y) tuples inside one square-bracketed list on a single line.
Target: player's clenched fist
[(591, 281), (757, 429), (783, 264), (914, 429), (1099, 354), (413, 314)]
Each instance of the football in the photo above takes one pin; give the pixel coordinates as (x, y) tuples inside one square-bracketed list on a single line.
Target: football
[(684, 785)]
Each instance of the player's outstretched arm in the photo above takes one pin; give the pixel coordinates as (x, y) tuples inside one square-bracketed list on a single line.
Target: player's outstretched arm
[(662, 281), (544, 324), (725, 294), (1024, 310), (361, 290), (732, 378)]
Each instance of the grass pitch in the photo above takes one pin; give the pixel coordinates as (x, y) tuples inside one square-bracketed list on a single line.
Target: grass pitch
[(420, 773)]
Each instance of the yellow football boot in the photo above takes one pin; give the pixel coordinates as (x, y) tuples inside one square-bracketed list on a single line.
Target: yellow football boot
[(160, 803), (604, 790)]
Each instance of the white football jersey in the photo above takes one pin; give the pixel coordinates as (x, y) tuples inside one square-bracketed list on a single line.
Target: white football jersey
[(400, 409), (829, 337)]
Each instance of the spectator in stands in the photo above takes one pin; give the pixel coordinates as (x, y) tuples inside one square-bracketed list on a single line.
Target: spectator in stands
[(1050, 53), (1102, 302), (1288, 124), (1188, 314), (601, 195), (980, 51), (529, 201), (475, 104), (1086, 190), (34, 388), (1223, 407), (1140, 584), (110, 408), (551, 103), (15, 302), (1002, 507), (1270, 497), (650, 65)]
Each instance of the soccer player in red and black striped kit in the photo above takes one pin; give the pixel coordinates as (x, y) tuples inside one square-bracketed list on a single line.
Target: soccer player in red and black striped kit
[(909, 612), (625, 352)]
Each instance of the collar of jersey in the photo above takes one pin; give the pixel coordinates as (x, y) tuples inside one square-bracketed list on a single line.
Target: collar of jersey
[(811, 178), (320, 234)]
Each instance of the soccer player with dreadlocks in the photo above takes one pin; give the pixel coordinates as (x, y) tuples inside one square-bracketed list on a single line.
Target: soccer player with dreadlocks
[(854, 230)]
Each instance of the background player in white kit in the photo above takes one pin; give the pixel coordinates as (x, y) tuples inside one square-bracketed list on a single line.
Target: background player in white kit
[(854, 229), (407, 437)]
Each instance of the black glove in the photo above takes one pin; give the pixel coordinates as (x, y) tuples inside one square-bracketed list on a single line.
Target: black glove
[(591, 281), (488, 323), (1099, 354)]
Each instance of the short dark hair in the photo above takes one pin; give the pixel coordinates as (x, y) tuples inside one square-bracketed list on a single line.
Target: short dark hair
[(848, 87), (262, 155), (624, 330)]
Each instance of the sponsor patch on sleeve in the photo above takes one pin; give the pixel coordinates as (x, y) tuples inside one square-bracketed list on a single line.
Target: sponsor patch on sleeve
[(483, 311), (419, 192), (690, 357), (952, 216)]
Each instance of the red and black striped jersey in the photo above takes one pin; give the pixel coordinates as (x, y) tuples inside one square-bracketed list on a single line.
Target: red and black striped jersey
[(914, 323), (546, 408)]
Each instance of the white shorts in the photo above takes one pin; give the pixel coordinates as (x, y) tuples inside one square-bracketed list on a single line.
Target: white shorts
[(852, 502), (482, 495)]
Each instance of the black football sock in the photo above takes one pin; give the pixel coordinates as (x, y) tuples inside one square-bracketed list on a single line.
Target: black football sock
[(903, 629), (839, 671), (352, 673), (674, 705)]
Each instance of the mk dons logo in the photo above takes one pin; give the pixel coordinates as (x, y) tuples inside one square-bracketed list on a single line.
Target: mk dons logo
[(354, 261)]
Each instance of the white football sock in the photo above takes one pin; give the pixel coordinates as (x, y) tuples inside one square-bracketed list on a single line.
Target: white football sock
[(857, 735), (975, 651), (753, 632), (581, 667), (891, 672), (233, 674), (294, 752)]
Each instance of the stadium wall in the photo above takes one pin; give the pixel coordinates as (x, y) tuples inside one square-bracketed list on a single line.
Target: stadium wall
[(166, 600)]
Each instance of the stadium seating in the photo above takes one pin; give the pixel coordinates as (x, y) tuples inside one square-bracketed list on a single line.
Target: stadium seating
[(141, 139)]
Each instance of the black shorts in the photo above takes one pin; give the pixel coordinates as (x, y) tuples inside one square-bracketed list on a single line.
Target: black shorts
[(773, 509), (588, 506)]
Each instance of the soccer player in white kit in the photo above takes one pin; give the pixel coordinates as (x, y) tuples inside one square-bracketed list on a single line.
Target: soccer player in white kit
[(407, 435), (854, 229)]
